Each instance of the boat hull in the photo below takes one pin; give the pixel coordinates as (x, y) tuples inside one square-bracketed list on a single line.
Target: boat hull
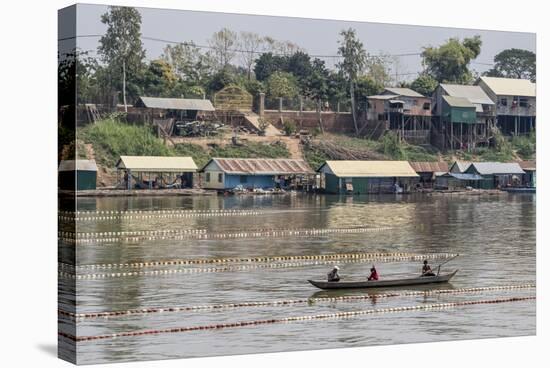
[(326, 285)]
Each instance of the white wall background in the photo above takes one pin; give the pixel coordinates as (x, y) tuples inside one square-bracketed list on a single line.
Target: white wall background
[(28, 327)]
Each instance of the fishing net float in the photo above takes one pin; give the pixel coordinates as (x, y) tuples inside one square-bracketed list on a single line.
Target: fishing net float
[(134, 236), (316, 317), (275, 303), (177, 262), (73, 275)]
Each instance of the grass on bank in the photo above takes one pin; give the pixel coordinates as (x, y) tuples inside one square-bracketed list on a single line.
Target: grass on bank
[(111, 139)]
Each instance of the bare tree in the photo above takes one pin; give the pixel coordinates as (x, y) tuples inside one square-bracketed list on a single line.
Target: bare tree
[(223, 45), (250, 43)]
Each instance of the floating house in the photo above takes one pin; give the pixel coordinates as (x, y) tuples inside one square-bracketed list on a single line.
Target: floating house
[(363, 177), (257, 173), (466, 116), (515, 101), (405, 111), (497, 174), (155, 172), (77, 175), (530, 177), (456, 180), (429, 171)]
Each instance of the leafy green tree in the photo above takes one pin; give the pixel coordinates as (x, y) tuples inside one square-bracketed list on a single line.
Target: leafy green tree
[(267, 64), (282, 84), (121, 47), (424, 84), (160, 80), (221, 79), (449, 62), (192, 66), (366, 86), (299, 64), (352, 65), (515, 63)]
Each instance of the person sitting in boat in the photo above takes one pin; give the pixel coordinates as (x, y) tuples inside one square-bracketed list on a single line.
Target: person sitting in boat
[(333, 275), (426, 269), (373, 274)]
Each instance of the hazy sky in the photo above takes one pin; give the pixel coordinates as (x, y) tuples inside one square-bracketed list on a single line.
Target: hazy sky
[(317, 37)]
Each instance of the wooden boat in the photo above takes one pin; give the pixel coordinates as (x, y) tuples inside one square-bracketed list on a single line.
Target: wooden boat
[(520, 190), (383, 283)]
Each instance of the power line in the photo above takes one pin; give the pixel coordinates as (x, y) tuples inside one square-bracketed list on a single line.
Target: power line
[(319, 56)]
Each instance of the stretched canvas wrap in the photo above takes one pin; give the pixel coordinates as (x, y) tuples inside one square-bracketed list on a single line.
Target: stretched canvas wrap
[(235, 184)]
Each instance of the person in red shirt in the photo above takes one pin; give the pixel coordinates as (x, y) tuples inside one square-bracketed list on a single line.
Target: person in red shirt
[(373, 274)]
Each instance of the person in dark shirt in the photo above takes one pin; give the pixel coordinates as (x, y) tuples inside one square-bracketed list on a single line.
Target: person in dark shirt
[(426, 269), (333, 275)]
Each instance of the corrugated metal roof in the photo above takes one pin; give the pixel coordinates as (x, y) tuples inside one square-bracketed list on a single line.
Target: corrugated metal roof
[(261, 166), (494, 168), (474, 94), (458, 102), (381, 97), (434, 166), (157, 164), (403, 92), (461, 166), (176, 103), (83, 165), (528, 165), (375, 169), (511, 86)]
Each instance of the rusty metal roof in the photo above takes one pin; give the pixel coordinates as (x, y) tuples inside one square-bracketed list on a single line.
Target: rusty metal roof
[(530, 165), (261, 166), (434, 166)]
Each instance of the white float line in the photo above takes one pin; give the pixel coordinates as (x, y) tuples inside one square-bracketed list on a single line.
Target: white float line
[(277, 303), (112, 237), (422, 307), (236, 268), (159, 216)]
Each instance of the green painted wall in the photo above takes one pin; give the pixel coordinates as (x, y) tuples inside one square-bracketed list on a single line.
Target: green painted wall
[(466, 115), (331, 184)]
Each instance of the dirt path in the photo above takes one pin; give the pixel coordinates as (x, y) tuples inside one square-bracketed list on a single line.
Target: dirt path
[(292, 144)]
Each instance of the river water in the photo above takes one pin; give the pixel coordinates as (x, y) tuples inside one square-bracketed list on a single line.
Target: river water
[(494, 235)]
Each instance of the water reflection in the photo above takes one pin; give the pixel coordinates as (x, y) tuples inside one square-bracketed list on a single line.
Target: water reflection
[(492, 234)]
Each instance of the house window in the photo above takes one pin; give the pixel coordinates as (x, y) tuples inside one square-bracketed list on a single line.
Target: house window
[(242, 178), (426, 106), (220, 177), (208, 177), (503, 102)]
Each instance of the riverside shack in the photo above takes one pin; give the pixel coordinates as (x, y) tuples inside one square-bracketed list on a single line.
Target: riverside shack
[(530, 177), (429, 171), (256, 173), (366, 177), (77, 174), (155, 172), (497, 174)]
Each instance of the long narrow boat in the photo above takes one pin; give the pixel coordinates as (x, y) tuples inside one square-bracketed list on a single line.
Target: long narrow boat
[(383, 283)]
